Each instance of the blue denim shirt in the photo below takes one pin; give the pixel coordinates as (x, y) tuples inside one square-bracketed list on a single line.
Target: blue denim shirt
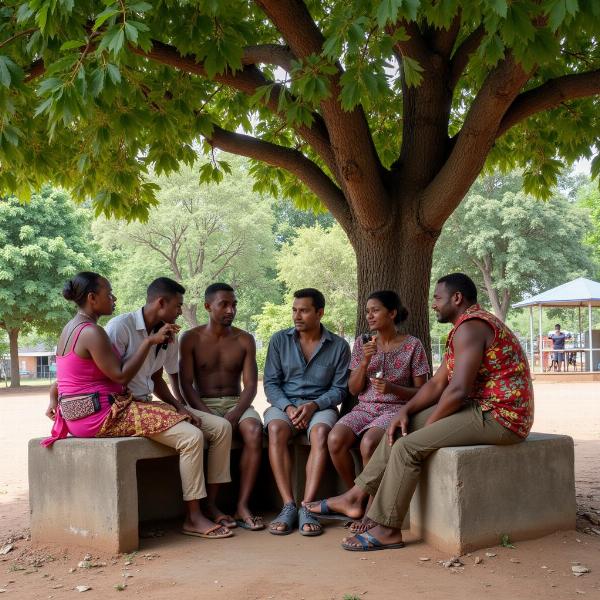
[(289, 379)]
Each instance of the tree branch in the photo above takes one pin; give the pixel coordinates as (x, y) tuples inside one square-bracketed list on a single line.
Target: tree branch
[(269, 54), (359, 165), (472, 144), (550, 95), (291, 160), (460, 58), (248, 80)]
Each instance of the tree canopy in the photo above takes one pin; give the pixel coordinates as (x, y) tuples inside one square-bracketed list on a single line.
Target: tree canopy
[(383, 110), (42, 244), (512, 243), (197, 235)]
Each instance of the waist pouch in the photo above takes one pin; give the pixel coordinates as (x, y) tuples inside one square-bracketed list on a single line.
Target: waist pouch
[(79, 406)]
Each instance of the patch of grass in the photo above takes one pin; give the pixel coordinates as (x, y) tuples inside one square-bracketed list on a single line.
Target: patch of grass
[(120, 587), (505, 541), (351, 597)]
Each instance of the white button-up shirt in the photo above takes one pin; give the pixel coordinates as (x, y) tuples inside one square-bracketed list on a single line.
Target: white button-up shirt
[(127, 332)]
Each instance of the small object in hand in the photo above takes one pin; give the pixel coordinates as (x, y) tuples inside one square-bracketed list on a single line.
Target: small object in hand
[(379, 375), (366, 338)]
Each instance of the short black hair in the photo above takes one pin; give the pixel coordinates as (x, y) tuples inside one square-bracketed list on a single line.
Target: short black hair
[(213, 288), (163, 287), (317, 297), (459, 282), (78, 288), (391, 301), (557, 325)]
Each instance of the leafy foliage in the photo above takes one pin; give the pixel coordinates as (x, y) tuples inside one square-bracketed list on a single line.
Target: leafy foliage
[(42, 244), (197, 235), (513, 244), (102, 116)]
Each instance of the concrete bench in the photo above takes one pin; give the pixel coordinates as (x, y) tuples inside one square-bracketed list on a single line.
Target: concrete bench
[(95, 492), (470, 496)]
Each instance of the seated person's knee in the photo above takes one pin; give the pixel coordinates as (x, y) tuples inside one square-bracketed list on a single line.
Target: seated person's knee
[(335, 441), (318, 435), (279, 430)]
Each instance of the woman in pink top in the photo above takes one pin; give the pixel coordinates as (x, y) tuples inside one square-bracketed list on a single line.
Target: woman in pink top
[(87, 363)]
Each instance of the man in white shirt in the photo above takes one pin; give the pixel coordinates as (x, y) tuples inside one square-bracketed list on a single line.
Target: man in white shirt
[(127, 332)]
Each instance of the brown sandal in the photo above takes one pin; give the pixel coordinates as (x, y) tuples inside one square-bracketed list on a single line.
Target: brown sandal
[(209, 533)]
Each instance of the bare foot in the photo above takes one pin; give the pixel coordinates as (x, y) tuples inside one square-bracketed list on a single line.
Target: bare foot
[(200, 524), (362, 525), (351, 504), (384, 535), (218, 516)]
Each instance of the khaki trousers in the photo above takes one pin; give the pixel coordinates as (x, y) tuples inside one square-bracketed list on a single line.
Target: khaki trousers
[(188, 440), (392, 474)]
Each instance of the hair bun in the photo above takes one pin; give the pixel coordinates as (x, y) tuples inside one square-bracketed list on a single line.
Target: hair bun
[(69, 290), (402, 314)]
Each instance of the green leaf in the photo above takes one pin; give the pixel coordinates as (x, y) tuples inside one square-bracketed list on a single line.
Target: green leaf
[(387, 12), (114, 73), (71, 44), (131, 32), (117, 41), (412, 71), (106, 14), (141, 7), (5, 77), (500, 7)]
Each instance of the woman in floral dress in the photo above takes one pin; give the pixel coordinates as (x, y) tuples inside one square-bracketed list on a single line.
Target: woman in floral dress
[(385, 374)]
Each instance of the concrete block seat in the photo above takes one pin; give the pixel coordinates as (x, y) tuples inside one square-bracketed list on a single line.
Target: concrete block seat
[(468, 497), (95, 492)]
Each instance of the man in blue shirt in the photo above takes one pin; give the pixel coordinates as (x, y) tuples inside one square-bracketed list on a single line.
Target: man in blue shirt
[(305, 378)]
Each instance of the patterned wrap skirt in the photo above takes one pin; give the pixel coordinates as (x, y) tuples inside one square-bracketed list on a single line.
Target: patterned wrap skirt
[(133, 418)]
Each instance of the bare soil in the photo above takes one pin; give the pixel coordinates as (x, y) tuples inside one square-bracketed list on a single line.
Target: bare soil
[(257, 565)]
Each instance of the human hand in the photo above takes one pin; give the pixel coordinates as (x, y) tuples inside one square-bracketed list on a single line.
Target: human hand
[(290, 411), (369, 349), (194, 419), (164, 334), (303, 415), (400, 421), (51, 410), (233, 416), (382, 386)]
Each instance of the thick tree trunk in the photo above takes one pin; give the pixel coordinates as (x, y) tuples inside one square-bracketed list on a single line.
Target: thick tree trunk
[(190, 314), (398, 259), (15, 378)]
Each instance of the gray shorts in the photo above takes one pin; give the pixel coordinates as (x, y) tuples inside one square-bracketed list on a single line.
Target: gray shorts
[(329, 417)]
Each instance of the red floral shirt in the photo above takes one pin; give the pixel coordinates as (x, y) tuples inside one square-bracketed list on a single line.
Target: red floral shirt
[(503, 384)]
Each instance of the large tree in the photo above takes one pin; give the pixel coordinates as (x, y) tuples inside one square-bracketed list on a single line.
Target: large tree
[(512, 243), (385, 110), (197, 236), (42, 244)]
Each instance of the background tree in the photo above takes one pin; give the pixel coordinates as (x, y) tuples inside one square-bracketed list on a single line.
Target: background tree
[(385, 110), (197, 235), (589, 198), (42, 244), (512, 243)]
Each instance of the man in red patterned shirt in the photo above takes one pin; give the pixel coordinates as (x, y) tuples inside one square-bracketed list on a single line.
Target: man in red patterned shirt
[(481, 394)]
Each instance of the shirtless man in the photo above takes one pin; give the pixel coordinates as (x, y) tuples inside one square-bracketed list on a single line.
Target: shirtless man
[(213, 359)]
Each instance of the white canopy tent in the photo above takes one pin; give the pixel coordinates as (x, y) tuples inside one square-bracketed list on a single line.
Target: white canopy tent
[(580, 292)]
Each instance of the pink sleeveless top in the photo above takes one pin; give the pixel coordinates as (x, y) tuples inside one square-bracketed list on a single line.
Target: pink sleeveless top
[(77, 375)]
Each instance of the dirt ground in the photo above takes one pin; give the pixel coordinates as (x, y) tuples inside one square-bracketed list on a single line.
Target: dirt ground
[(257, 565)]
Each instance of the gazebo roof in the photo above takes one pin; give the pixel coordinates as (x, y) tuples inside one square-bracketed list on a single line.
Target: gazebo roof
[(579, 292)]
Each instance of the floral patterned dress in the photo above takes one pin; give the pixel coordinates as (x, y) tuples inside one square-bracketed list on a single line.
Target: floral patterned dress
[(400, 366)]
